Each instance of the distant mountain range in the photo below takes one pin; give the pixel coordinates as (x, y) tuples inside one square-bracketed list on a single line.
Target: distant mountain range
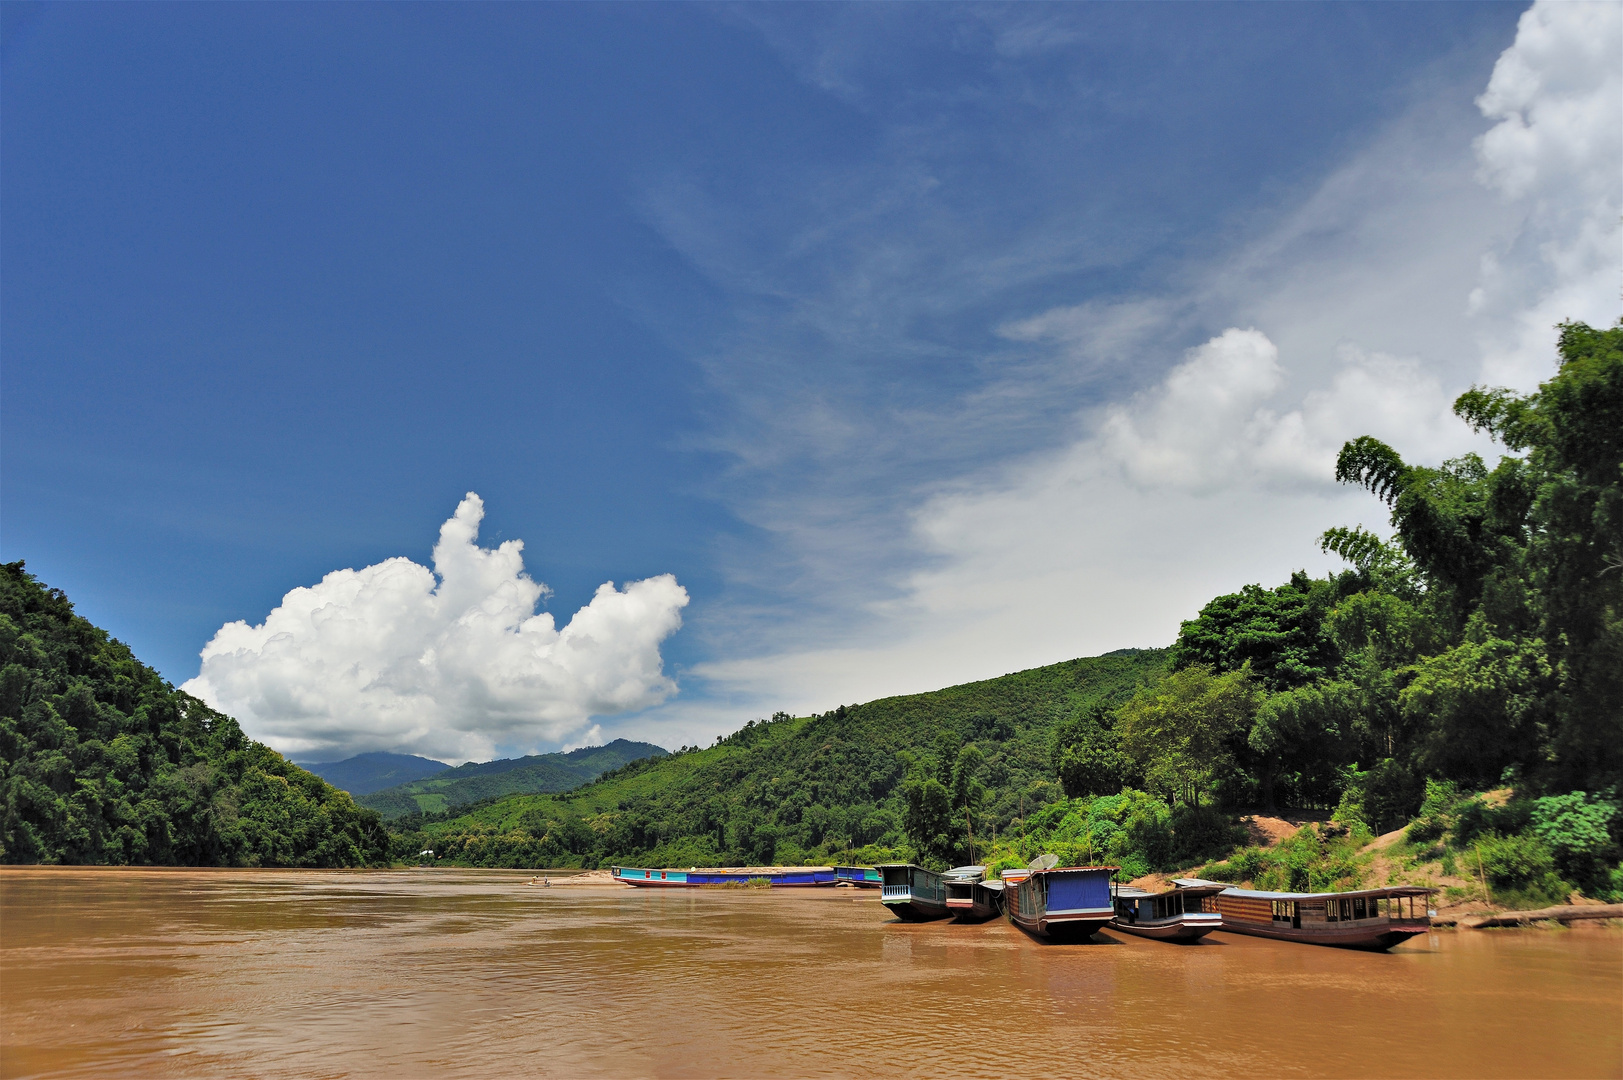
[(366, 773), (398, 784)]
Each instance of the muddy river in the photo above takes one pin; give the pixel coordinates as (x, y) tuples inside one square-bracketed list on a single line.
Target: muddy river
[(475, 973)]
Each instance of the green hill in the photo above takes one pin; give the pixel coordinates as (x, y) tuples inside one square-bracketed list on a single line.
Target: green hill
[(102, 761), (366, 773), (478, 781), (795, 789), (1481, 647)]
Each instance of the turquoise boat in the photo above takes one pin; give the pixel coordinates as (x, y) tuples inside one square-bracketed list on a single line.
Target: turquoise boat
[(913, 893), (694, 877), (863, 877)]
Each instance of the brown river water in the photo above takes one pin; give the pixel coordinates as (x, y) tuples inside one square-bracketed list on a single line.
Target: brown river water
[(405, 974)]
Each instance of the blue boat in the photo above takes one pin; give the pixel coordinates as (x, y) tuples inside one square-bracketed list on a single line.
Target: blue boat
[(692, 878), (1060, 903), (913, 893), (863, 877)]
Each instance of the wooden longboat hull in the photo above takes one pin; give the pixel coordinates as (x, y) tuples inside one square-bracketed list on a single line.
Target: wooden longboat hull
[(1180, 928), (863, 877), (916, 910), (1376, 937), (912, 893), (1066, 904), (972, 901), (969, 911), (810, 877), (1066, 927)]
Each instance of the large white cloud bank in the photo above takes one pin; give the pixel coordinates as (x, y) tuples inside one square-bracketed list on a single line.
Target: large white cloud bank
[(452, 662)]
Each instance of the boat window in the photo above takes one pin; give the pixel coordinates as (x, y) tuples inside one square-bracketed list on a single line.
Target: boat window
[(1360, 908)]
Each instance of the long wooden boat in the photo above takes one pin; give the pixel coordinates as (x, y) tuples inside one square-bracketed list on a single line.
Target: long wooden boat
[(1068, 903), (863, 877), (694, 877), (1359, 919), (1181, 913), (913, 893), (968, 897)]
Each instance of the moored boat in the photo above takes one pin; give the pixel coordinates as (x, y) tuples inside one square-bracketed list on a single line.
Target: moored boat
[(1358, 919), (695, 877), (1181, 913), (863, 877), (913, 893), (1066, 903), (968, 897)]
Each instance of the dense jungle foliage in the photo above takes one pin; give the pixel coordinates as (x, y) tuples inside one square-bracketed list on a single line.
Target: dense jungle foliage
[(813, 788), (1481, 647), (102, 761), (1483, 644)]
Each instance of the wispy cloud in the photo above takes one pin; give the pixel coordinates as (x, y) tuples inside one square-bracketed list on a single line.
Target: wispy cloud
[(968, 471)]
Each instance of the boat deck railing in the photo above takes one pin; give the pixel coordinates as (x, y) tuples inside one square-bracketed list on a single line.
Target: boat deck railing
[(901, 892)]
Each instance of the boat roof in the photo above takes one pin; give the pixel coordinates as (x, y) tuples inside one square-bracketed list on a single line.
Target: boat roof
[(1259, 894), (1180, 885), (964, 871), (990, 883), (1069, 869)]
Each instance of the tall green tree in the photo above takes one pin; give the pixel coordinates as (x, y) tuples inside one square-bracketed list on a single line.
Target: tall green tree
[(1277, 633), (1086, 754), (1180, 731), (1522, 565)]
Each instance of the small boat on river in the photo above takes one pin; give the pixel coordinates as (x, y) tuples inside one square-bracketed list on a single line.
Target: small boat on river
[(863, 877), (695, 877), (1359, 919), (913, 893), (970, 897), (1181, 913), (1066, 903)]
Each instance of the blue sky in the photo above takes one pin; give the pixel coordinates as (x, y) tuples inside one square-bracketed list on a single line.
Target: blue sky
[(800, 304)]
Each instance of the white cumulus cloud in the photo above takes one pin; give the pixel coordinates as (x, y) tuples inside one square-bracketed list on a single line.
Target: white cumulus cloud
[(1215, 423), (1557, 149), (452, 662)]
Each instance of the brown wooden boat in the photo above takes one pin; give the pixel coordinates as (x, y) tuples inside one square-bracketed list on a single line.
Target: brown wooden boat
[(1360, 919)]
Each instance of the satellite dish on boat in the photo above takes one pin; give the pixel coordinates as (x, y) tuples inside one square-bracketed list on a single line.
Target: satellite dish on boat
[(1043, 862)]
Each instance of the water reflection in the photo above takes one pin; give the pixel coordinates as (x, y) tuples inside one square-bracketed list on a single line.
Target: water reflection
[(209, 973)]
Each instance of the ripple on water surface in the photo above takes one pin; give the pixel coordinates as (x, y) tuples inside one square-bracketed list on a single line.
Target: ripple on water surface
[(406, 973)]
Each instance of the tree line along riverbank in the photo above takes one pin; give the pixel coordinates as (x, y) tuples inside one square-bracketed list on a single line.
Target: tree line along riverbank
[(1446, 706)]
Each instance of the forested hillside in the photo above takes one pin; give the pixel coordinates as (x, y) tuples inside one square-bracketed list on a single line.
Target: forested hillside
[(102, 761), (478, 781), (792, 789), (1480, 648)]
